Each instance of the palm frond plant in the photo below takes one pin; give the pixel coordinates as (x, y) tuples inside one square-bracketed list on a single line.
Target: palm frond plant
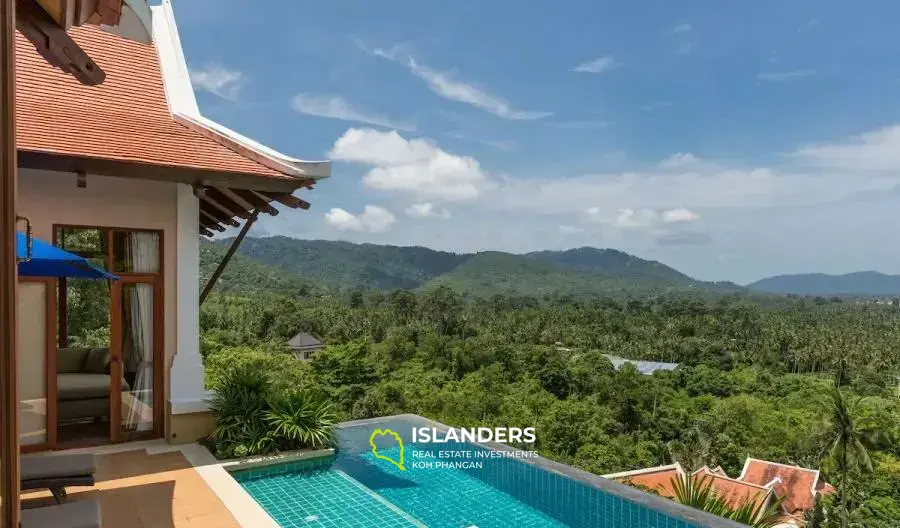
[(238, 403), (700, 493), (300, 419)]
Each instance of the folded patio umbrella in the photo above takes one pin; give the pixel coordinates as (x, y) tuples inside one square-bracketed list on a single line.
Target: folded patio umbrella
[(50, 261)]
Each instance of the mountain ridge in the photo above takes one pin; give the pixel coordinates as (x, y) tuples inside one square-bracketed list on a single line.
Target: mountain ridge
[(346, 266), (868, 283)]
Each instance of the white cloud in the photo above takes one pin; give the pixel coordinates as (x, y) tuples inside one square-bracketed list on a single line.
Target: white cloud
[(416, 166), (507, 145), (680, 28), (336, 107), (878, 150), (444, 85), (785, 76), (218, 80), (570, 230), (598, 65), (427, 210), (676, 216), (373, 219), (679, 160)]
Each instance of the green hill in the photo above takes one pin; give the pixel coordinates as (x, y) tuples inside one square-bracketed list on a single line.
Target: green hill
[(344, 266), (865, 283)]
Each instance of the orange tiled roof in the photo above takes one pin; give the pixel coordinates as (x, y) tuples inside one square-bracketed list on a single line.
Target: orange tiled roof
[(658, 479), (795, 484), (126, 118), (735, 492)]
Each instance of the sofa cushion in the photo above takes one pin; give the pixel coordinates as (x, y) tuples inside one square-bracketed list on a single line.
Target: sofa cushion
[(81, 386), (97, 361), (70, 359)]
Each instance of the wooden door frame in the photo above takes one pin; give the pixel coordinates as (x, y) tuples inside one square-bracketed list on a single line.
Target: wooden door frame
[(159, 362), (156, 281), (49, 362)]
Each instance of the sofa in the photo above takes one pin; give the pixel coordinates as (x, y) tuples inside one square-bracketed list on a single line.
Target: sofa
[(83, 383)]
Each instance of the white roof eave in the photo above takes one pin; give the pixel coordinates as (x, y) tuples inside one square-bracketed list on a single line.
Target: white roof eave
[(183, 103)]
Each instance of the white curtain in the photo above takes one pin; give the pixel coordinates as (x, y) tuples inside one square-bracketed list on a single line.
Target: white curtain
[(143, 250)]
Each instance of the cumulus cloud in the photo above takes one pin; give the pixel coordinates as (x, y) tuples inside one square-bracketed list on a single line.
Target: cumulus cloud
[(878, 150), (445, 84), (219, 80), (648, 218), (598, 65), (336, 107), (373, 219), (570, 230), (679, 160), (415, 166), (427, 210), (680, 28)]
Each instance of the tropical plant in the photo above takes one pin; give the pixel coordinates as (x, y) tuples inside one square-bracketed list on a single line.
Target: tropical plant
[(254, 416), (847, 443), (699, 493), (300, 419), (238, 404)]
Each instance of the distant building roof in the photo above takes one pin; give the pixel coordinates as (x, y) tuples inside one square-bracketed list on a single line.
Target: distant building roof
[(657, 478), (797, 485), (735, 492), (304, 340), (645, 367)]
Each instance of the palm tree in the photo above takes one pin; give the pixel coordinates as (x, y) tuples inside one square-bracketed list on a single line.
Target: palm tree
[(699, 493), (847, 442)]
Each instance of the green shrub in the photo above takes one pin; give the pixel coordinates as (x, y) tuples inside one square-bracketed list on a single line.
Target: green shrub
[(255, 416)]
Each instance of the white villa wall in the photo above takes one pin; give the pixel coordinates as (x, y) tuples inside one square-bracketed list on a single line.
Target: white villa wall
[(50, 198)]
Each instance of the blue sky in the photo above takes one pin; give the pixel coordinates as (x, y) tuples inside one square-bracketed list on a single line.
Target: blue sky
[(731, 141)]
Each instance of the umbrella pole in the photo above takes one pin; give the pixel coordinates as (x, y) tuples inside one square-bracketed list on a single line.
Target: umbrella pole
[(9, 438)]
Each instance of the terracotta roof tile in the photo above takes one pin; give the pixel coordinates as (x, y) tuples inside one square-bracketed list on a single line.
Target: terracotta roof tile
[(735, 492), (796, 483), (657, 479), (125, 118)]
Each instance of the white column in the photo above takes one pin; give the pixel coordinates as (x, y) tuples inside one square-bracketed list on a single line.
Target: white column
[(187, 393)]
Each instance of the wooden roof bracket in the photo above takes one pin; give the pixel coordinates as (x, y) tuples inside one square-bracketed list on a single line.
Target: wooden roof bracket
[(55, 45), (230, 253)]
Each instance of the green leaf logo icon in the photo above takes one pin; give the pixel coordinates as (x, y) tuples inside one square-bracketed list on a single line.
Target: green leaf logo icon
[(392, 460)]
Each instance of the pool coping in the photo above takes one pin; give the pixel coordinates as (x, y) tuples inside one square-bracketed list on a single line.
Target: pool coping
[(218, 477), (623, 491)]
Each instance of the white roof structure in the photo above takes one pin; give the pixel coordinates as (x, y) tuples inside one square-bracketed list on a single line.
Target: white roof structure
[(645, 367)]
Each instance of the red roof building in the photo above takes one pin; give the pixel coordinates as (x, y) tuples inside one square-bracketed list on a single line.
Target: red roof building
[(134, 173), (759, 482)]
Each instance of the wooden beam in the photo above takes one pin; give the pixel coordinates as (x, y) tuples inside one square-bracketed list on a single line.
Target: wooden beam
[(231, 250), (217, 213), (255, 200), (287, 200), (54, 44), (222, 200), (9, 401), (55, 161), (209, 223)]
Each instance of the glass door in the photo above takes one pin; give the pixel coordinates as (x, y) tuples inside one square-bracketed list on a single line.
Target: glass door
[(137, 305), (117, 327)]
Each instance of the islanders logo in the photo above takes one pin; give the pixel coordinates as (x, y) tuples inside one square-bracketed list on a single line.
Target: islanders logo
[(387, 432)]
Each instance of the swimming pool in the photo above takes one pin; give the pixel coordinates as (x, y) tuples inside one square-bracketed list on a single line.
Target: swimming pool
[(449, 485)]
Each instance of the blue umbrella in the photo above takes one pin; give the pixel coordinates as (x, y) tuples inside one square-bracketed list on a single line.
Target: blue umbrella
[(50, 261)]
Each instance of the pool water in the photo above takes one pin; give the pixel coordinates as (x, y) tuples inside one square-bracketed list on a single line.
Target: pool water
[(354, 488)]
